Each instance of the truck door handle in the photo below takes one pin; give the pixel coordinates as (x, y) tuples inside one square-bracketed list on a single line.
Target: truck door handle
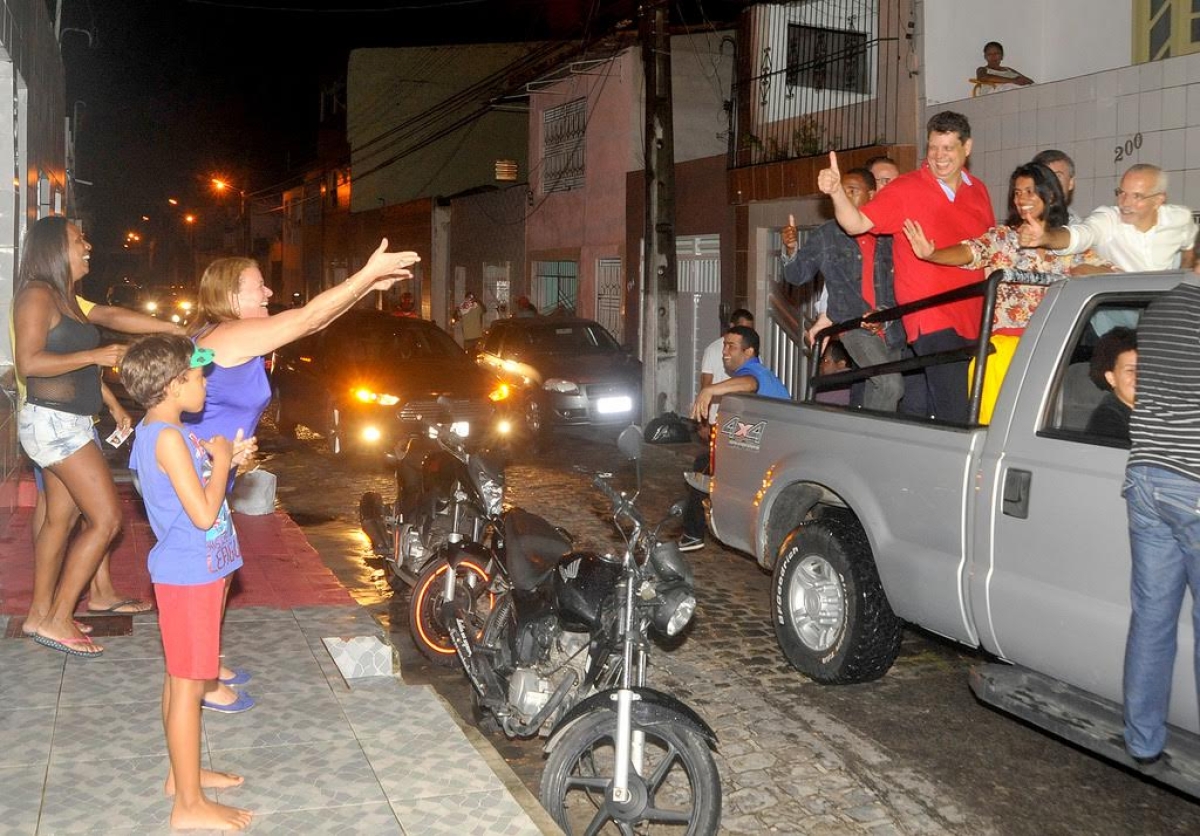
[(1016, 493)]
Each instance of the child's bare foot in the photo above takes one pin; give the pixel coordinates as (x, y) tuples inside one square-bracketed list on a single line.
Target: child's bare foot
[(209, 779), (209, 815)]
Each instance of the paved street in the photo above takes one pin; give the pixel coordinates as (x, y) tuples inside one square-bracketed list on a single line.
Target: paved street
[(913, 753)]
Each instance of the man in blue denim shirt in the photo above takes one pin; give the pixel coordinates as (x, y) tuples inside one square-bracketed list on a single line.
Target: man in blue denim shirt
[(858, 276)]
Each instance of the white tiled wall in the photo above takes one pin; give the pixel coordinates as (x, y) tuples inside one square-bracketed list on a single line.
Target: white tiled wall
[(1089, 117)]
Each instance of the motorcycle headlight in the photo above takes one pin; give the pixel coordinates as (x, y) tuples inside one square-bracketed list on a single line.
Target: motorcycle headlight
[(559, 384), (500, 393), (674, 611)]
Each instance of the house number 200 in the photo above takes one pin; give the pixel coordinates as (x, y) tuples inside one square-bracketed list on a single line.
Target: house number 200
[(1127, 149)]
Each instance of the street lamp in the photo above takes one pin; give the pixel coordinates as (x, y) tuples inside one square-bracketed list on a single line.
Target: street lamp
[(221, 186)]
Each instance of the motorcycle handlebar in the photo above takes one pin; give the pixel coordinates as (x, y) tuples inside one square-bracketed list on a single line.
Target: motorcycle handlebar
[(619, 502)]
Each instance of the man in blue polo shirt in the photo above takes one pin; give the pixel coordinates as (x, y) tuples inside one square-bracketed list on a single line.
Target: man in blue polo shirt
[(739, 354), (746, 373)]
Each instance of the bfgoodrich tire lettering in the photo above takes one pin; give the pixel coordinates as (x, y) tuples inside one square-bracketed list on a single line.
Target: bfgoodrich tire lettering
[(831, 616)]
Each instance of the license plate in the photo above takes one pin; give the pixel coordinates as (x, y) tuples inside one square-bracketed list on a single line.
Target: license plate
[(608, 406)]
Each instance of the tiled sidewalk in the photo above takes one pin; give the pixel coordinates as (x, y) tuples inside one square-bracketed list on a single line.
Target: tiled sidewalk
[(81, 740)]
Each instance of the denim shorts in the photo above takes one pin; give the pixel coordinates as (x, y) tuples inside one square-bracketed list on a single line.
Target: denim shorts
[(49, 436)]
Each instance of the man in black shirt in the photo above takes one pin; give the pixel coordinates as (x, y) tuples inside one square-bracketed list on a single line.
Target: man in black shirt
[(1114, 369)]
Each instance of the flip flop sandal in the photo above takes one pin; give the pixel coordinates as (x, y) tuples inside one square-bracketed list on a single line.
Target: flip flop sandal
[(70, 646), (115, 609)]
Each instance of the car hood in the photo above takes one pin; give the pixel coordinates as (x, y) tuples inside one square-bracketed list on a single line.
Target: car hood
[(424, 380), (592, 367)]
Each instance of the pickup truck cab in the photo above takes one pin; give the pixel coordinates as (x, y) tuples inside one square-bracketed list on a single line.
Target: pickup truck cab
[(1010, 537)]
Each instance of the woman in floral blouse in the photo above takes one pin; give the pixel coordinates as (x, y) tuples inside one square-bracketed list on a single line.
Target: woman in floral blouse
[(1033, 193)]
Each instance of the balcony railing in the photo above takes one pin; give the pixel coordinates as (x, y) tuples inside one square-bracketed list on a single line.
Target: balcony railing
[(817, 77)]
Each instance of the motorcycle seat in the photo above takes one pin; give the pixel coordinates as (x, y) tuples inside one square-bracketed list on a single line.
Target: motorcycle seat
[(533, 548)]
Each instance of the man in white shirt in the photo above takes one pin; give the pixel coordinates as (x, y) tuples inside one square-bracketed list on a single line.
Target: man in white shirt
[(712, 368), (1141, 233)]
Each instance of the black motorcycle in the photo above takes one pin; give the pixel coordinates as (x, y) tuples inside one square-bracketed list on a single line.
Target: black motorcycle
[(556, 643), (446, 494)]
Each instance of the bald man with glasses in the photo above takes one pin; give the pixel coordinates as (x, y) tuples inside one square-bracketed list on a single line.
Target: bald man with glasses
[(1142, 232)]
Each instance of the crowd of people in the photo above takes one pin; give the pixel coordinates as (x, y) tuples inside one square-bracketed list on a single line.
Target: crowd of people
[(932, 230), (204, 394)]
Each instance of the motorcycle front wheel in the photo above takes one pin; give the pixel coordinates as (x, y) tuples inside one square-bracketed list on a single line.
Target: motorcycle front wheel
[(425, 625), (678, 790)]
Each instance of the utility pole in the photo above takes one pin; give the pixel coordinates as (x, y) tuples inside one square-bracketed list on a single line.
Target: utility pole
[(659, 279)]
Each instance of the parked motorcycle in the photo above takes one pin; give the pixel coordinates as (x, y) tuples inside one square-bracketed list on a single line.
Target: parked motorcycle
[(445, 494), (560, 647)]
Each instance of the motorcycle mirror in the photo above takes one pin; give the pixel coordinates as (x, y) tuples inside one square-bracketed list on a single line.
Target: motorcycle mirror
[(630, 441)]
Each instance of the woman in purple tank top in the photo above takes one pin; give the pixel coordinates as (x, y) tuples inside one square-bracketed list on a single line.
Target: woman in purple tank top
[(232, 320)]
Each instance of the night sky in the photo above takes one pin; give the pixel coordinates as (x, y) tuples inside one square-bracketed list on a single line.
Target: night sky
[(172, 91)]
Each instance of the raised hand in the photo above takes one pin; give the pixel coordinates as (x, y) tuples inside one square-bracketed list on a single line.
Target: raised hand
[(922, 247), (109, 355), (388, 268), (1032, 232), (790, 237), (830, 179)]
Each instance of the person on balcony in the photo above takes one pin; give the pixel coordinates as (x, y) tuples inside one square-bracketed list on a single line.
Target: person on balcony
[(993, 77)]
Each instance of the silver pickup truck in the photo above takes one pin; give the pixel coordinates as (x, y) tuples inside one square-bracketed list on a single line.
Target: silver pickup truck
[(1009, 537)]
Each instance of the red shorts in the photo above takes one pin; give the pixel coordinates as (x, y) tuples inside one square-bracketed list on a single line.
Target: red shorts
[(189, 618)]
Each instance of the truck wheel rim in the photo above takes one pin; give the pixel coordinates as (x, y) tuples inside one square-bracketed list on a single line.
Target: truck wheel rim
[(816, 603)]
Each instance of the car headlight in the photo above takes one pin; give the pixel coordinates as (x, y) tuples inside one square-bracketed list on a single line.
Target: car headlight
[(559, 384), (367, 396), (152, 306), (500, 393)]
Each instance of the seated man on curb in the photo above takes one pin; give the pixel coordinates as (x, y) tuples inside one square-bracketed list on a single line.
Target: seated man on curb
[(739, 355)]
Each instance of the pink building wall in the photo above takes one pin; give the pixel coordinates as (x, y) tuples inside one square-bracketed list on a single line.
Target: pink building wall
[(588, 223)]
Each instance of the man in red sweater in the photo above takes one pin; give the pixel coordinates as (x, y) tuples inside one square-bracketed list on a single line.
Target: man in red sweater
[(942, 195)]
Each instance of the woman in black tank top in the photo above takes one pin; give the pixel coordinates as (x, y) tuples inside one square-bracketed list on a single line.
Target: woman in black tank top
[(58, 354)]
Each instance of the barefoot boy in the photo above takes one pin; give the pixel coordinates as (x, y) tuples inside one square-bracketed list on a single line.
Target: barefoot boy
[(183, 481)]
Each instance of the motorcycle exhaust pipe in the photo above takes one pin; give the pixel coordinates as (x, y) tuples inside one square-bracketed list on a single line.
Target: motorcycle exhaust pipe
[(370, 519)]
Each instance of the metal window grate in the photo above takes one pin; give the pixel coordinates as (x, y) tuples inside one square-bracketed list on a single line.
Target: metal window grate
[(563, 133)]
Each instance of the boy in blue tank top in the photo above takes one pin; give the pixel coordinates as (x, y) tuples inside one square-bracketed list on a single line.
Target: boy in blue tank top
[(183, 482)]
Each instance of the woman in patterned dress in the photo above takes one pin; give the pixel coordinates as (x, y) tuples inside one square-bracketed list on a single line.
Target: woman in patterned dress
[(1034, 193)]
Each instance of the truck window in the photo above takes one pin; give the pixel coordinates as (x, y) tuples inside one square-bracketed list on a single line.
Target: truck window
[(1076, 396)]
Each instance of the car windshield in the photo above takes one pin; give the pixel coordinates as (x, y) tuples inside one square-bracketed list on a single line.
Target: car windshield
[(384, 342), (571, 338)]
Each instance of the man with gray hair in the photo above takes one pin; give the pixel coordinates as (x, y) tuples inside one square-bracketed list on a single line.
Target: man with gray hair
[(1142, 232), (1064, 169)]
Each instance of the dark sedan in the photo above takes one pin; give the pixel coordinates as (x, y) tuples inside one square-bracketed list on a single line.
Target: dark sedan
[(368, 379), (573, 372)]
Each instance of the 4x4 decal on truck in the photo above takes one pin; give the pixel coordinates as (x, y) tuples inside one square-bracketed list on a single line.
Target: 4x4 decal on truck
[(743, 436)]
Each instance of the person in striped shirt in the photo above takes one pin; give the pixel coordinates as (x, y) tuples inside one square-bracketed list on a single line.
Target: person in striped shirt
[(1162, 493)]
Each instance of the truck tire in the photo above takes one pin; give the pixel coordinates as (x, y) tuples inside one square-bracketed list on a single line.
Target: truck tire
[(831, 616)]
